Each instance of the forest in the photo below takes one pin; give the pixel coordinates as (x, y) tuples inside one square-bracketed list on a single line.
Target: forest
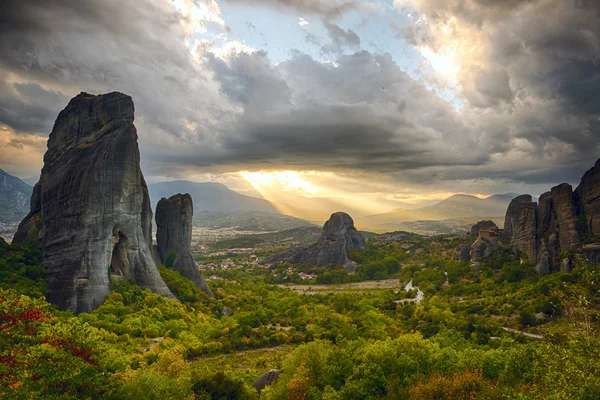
[(464, 340)]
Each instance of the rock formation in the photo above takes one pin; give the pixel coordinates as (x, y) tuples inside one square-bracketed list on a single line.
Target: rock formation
[(90, 209), (174, 234), (481, 249), (587, 198), (338, 237), (487, 240), (464, 253), (512, 213), (560, 222), (482, 225), (266, 379)]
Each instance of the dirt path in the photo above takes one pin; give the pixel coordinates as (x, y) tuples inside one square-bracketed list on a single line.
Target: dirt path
[(531, 335), (366, 285)]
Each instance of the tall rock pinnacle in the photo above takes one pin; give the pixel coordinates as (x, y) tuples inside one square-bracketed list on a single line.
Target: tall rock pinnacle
[(174, 234), (338, 238), (91, 209)]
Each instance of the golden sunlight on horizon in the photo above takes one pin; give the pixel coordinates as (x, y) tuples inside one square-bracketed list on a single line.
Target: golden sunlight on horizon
[(313, 194)]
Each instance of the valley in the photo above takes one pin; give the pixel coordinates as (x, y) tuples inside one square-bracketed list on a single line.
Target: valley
[(110, 292)]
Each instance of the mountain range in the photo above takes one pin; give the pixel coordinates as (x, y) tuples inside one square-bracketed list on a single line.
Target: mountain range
[(216, 205), (456, 207), (14, 198), (210, 196)]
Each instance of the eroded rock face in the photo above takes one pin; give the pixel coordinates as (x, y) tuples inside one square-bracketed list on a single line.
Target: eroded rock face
[(487, 240), (564, 208), (338, 238), (587, 196), (174, 234), (482, 248), (464, 253), (524, 232), (512, 213), (545, 231), (91, 210), (482, 225)]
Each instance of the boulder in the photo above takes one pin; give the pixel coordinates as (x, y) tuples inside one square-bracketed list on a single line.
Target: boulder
[(266, 379), (543, 265), (90, 209), (174, 235), (591, 254), (339, 236), (565, 265)]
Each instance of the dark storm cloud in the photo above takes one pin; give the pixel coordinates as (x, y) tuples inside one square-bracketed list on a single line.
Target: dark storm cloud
[(134, 47), (30, 114), (328, 8), (249, 79), (363, 113), (528, 106), (534, 86), (340, 38)]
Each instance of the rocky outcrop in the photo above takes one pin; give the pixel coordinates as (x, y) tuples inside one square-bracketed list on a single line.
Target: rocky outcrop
[(91, 210), (587, 199), (482, 225), (266, 379), (174, 235), (558, 224), (339, 236), (524, 232), (487, 240), (512, 213), (591, 254), (464, 253), (564, 208), (482, 248)]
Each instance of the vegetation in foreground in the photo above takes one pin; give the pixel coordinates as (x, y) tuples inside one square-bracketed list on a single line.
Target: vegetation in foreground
[(376, 344)]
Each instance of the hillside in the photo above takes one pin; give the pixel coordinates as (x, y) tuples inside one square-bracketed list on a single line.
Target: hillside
[(451, 211), (462, 205), (14, 198)]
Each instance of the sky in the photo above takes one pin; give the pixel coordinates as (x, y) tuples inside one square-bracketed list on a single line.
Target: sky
[(379, 102)]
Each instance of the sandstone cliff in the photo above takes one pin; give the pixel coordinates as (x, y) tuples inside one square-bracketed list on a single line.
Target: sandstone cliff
[(587, 198), (91, 210), (174, 234), (562, 221), (338, 238)]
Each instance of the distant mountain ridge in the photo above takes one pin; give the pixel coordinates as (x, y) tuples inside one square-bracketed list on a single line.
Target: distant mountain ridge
[(14, 198), (464, 205), (457, 206), (211, 197)]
